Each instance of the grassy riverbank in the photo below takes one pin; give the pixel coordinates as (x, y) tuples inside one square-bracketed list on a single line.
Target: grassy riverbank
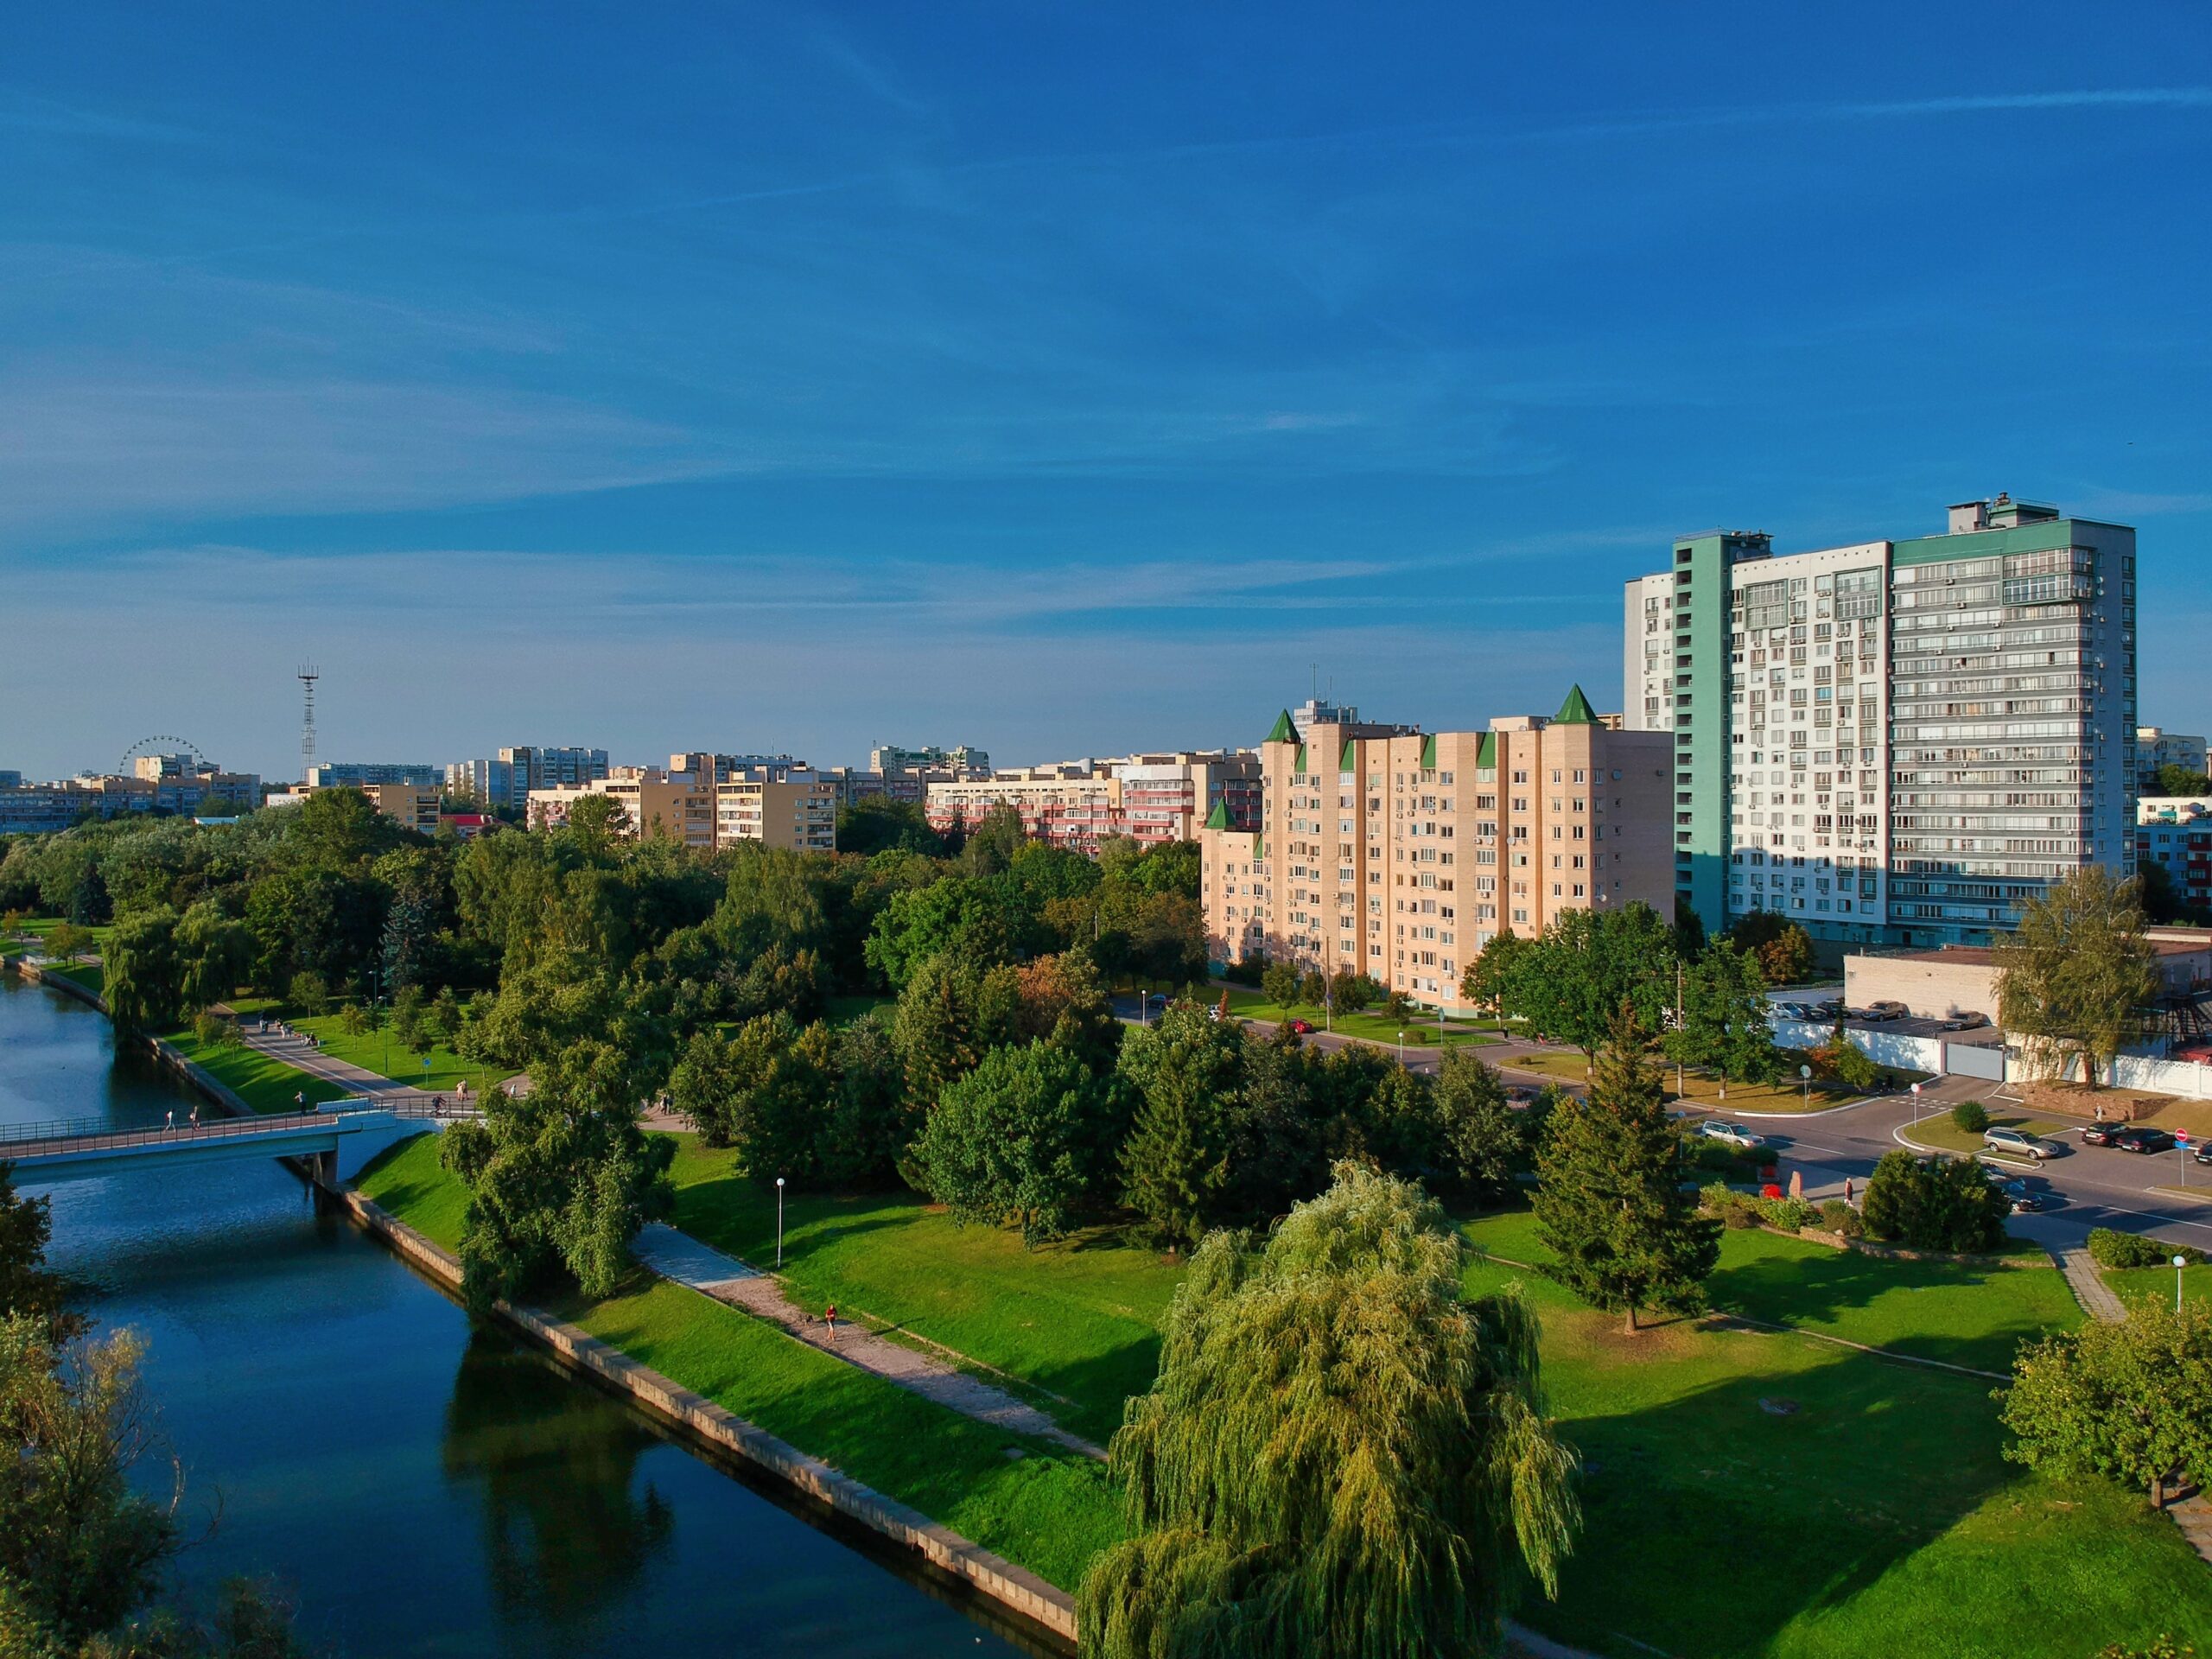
[(266, 1085), (1045, 1509)]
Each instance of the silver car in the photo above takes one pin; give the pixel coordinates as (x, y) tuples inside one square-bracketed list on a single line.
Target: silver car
[(2017, 1143), (1734, 1134)]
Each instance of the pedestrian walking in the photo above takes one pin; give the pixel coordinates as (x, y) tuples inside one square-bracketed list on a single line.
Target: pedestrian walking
[(172, 1117), (829, 1319), (196, 1117), (1846, 1189), (300, 1098)]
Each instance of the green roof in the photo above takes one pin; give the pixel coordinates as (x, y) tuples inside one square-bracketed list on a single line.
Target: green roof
[(1575, 711), (1428, 752), (1298, 763), (1282, 731), (1345, 761), (1218, 819), (1486, 753)]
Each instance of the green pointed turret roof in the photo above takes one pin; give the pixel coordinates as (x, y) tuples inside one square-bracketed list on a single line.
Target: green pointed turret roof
[(1575, 711), (1282, 731), (1218, 819), (1298, 762), (1345, 761), (1428, 752), (1486, 753)]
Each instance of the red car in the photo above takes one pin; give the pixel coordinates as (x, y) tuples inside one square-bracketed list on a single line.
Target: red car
[(1303, 1027)]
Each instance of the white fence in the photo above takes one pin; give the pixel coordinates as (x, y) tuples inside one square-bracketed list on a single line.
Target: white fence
[(2164, 1076), (1989, 1061)]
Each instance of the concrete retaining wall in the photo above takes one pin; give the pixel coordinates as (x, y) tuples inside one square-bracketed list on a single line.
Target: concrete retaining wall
[(1012, 1587)]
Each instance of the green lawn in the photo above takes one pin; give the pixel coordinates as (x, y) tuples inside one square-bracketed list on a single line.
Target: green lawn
[(265, 1085), (384, 1054), (2128, 1283), (409, 1180), (1421, 1031), (1047, 1509), (1936, 1130), (90, 975), (1078, 1320), (843, 1010), (1754, 1494), (1569, 1066)]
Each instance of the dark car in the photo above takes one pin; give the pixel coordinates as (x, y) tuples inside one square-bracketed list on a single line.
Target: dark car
[(2137, 1137), (2024, 1198), (2099, 1135), (2202, 1152), (1303, 1027)]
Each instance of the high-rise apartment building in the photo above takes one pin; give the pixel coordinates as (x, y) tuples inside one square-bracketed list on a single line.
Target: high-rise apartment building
[(1386, 851), (2156, 748), (507, 778), (360, 774), (1892, 741)]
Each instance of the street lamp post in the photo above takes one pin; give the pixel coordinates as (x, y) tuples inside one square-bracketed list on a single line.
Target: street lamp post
[(1915, 1105), (779, 1224), (1402, 1048), (2180, 1261)]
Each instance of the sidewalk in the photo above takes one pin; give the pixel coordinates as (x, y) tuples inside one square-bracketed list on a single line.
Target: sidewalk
[(680, 1257)]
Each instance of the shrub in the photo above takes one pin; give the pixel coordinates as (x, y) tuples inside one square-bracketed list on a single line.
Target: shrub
[(213, 1031), (1852, 1067), (1840, 1218), (1971, 1115), (1733, 1208), (1420, 1034), (1935, 1204), (2113, 1248), (1787, 1214)]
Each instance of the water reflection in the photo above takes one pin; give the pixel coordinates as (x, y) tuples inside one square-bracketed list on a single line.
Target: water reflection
[(554, 1464)]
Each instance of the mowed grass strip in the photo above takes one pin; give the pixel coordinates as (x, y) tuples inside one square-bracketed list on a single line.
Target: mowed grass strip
[(265, 1083), (382, 1052), (1748, 1493), (1420, 1031), (1078, 1320), (1026, 1500)]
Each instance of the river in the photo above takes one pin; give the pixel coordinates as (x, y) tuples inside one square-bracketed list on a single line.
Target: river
[(417, 1486)]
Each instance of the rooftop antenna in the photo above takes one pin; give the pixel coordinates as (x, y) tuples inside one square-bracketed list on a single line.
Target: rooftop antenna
[(307, 675)]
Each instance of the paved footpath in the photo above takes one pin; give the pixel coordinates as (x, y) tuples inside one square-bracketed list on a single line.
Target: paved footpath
[(2095, 1296), (679, 1256)]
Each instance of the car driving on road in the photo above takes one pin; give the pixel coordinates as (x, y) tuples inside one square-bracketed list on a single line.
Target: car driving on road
[(2017, 1143), (1303, 1027), (1734, 1134)]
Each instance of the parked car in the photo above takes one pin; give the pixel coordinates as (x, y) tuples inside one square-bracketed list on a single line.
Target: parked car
[(2202, 1152), (2099, 1135), (2140, 1137), (1828, 1008), (2019, 1144), (1966, 1021), (1303, 1027), (2021, 1198), (1734, 1134), (1889, 1008)]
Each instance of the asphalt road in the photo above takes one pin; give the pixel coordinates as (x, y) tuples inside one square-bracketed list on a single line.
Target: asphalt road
[(2084, 1186)]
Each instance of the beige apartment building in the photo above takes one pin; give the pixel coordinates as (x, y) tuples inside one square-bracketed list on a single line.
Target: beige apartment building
[(407, 805), (800, 816), (680, 804), (1149, 798), (1384, 850)]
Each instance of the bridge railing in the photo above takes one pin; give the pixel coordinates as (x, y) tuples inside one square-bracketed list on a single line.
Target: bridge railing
[(93, 1132)]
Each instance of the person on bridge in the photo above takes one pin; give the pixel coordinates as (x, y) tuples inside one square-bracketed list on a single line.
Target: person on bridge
[(172, 1117), (300, 1098), (195, 1116)]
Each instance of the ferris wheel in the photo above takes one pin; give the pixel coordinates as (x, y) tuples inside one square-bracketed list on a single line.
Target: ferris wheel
[(163, 744)]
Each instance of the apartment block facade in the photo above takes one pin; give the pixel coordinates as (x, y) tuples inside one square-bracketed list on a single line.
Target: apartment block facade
[(798, 815), (1384, 850), (1893, 742), (680, 805), (2155, 748), (1149, 798), (361, 774), (507, 778)]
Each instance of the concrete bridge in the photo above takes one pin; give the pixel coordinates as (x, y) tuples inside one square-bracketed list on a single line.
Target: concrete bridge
[(339, 1139)]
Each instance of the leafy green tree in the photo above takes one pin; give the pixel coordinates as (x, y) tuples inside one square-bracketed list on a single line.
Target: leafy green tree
[(869, 1122), (2176, 780), (1343, 1456), (782, 1079), (978, 924), (1178, 1162), (774, 898), (1783, 948), (596, 824), (1971, 1115), (1587, 964), (338, 829), (407, 1019), (949, 1017), (145, 978), (877, 823), (1610, 1198), (1279, 983), (1933, 1204), (66, 941), (1481, 1142), (992, 844), (308, 994), (1026, 1139), (217, 954), (2075, 977), (2130, 1400), (27, 1287), (1725, 1024), (560, 1178)]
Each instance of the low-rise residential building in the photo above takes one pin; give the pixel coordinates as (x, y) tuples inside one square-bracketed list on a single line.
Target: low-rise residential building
[(411, 806), (2156, 748), (2174, 832), (1961, 979), (1383, 850), (157, 784), (655, 803), (800, 815), (1151, 798)]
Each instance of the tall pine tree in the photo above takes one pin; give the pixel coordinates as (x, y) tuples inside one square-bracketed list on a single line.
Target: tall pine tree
[(1611, 1199)]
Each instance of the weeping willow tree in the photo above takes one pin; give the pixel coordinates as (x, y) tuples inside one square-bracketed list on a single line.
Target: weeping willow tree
[(1341, 1455)]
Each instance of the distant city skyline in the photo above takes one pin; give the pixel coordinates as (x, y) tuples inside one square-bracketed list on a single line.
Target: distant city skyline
[(1058, 383)]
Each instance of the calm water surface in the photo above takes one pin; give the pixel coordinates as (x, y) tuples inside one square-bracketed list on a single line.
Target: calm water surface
[(419, 1487)]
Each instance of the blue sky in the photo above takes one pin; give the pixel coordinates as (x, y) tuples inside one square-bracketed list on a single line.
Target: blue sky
[(1063, 379)]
